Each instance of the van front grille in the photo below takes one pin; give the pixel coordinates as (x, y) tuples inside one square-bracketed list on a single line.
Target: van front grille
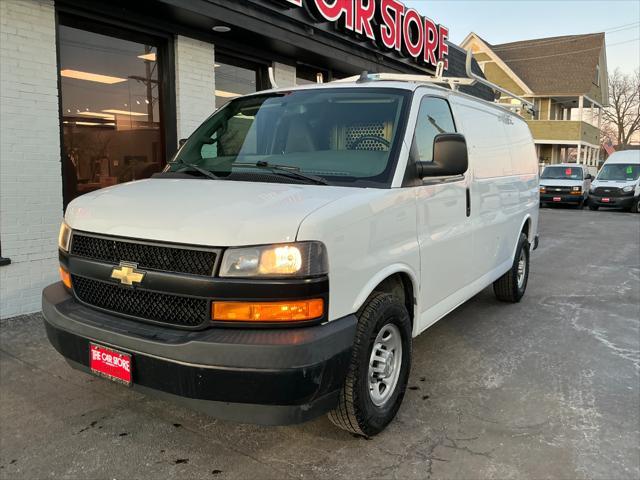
[(174, 310), (145, 255), (611, 192)]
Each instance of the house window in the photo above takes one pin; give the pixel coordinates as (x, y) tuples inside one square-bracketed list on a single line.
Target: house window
[(597, 79)]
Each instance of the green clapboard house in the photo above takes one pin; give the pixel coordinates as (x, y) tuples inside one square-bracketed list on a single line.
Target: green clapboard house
[(565, 77)]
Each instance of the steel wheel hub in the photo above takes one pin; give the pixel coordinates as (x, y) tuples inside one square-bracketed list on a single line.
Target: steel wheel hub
[(385, 364), (522, 267)]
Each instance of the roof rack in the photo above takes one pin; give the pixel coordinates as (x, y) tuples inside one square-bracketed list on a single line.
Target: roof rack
[(452, 82)]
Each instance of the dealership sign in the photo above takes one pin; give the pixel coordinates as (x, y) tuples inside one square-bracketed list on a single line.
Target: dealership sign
[(389, 23)]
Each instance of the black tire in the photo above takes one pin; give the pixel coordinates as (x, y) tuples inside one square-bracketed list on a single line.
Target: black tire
[(593, 207), (356, 412), (507, 288), (635, 208), (581, 204)]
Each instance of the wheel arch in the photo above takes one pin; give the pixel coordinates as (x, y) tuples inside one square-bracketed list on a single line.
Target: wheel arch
[(391, 280)]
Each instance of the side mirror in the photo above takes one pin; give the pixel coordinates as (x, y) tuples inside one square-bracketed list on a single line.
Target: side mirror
[(450, 157), (181, 142)]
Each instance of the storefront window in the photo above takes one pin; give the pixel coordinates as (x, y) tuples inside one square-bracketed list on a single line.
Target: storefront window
[(110, 96), (233, 80)]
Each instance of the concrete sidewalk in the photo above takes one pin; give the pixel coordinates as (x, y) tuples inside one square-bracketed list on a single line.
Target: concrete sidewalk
[(547, 388)]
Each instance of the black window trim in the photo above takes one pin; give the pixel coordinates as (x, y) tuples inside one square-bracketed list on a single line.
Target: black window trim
[(409, 179)]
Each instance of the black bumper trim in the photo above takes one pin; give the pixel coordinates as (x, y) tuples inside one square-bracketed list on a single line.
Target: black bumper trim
[(275, 377), (618, 202), (548, 198), (230, 347)]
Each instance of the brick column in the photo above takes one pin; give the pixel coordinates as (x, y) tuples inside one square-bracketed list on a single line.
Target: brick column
[(30, 169), (195, 83)]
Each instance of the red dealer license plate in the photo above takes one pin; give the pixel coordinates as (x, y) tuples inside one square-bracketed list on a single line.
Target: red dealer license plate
[(556, 199), (110, 363), (605, 200)]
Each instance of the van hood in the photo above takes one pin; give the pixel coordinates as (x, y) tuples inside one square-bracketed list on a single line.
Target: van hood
[(613, 183), (548, 182), (201, 211)]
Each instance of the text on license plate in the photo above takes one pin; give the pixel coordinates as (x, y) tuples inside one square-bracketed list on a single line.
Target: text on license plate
[(605, 200), (556, 199), (110, 363)]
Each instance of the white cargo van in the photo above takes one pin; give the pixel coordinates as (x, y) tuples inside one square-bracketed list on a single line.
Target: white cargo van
[(280, 266), (565, 183), (618, 182)]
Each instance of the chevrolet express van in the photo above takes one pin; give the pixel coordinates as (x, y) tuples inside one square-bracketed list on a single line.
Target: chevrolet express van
[(565, 183), (281, 264), (618, 182)]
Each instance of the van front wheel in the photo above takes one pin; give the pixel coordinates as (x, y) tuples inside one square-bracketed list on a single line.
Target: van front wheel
[(511, 286), (379, 367)]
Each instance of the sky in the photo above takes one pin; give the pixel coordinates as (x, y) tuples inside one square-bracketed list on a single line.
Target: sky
[(502, 21)]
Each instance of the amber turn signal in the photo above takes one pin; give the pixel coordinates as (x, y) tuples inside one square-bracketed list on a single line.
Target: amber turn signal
[(292, 311), (65, 276)]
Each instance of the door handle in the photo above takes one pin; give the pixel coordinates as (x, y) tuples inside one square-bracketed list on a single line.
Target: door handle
[(468, 202)]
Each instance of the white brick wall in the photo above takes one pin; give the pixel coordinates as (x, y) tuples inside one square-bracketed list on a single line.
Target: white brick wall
[(284, 75), (30, 170), (195, 85)]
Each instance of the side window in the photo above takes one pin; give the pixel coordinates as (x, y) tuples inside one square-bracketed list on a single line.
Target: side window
[(434, 117)]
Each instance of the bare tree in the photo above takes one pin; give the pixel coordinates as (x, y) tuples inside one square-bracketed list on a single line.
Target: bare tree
[(622, 116)]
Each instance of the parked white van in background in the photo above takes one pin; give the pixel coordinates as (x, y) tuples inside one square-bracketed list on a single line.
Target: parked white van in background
[(618, 182), (281, 264), (565, 183)]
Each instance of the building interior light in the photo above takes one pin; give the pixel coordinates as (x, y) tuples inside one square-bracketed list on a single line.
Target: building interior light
[(106, 116), (124, 112), (225, 94), (151, 57), (91, 77)]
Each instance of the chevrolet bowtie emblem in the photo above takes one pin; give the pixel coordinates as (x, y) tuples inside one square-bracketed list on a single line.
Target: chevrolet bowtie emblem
[(127, 273)]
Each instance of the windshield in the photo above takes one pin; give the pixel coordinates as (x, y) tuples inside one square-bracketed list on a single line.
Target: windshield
[(562, 173), (620, 171), (346, 136)]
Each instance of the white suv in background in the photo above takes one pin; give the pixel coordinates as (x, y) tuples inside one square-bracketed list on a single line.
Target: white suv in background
[(280, 266)]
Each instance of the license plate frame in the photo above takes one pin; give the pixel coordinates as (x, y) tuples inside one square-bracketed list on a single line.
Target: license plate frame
[(557, 199), (112, 364), (606, 200)]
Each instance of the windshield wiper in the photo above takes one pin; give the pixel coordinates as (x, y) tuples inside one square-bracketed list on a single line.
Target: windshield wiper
[(285, 170), (201, 170)]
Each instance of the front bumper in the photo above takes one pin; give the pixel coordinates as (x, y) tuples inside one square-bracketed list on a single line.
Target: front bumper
[(617, 202), (549, 198), (267, 376)]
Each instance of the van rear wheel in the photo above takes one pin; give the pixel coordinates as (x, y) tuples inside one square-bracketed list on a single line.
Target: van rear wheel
[(511, 286), (379, 367)]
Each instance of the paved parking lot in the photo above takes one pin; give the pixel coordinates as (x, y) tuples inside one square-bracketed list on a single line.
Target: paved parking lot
[(548, 388)]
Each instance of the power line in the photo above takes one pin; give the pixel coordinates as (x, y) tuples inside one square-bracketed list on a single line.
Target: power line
[(569, 53), (549, 41)]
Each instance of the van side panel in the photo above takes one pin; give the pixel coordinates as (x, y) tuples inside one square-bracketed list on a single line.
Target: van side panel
[(497, 207)]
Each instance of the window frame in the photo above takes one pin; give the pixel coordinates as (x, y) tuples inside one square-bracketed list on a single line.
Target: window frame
[(409, 179), (164, 44)]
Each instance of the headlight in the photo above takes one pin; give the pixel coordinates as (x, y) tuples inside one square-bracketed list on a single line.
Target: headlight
[(543, 189), (64, 237), (576, 189), (627, 189), (299, 259)]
